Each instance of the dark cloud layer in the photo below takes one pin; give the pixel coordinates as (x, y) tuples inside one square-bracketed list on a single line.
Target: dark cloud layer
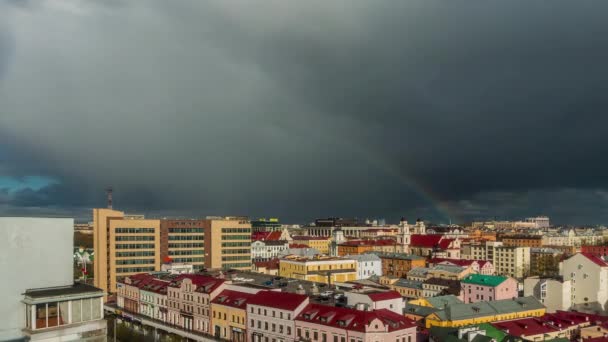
[(302, 109)]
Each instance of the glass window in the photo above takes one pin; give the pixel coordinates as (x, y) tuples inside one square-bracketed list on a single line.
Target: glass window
[(63, 312), (76, 311), (40, 316)]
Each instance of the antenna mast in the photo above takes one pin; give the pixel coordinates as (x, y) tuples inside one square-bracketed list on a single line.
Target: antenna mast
[(109, 193)]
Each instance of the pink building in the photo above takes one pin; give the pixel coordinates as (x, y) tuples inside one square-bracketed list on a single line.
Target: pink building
[(333, 324), (271, 314), (188, 301), (478, 287)]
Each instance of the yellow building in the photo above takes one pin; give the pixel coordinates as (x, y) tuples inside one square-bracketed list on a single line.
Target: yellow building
[(228, 313), (124, 245), (228, 243), (320, 269), (320, 243), (461, 314)]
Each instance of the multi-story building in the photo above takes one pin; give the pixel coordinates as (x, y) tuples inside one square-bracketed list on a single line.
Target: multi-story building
[(266, 225), (459, 315), (327, 270), (354, 247), (40, 301), (512, 261), (572, 238), (268, 249), (588, 275), (477, 287), (189, 299), (398, 264), (321, 243), (545, 262), (522, 240), (440, 287), (407, 288), (229, 313), (327, 323), (228, 243), (367, 265), (435, 246), (182, 241), (554, 293), (271, 316), (124, 245), (597, 250)]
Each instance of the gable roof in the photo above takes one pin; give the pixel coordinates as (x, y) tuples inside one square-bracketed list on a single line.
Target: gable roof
[(484, 280), (441, 301), (278, 300), (204, 284), (386, 295), (595, 259), (426, 241), (456, 312)]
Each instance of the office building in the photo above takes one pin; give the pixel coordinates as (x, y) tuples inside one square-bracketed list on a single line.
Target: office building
[(328, 270), (182, 241), (228, 243)]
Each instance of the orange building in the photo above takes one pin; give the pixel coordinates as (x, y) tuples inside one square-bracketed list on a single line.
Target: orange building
[(522, 241), (355, 247), (398, 264)]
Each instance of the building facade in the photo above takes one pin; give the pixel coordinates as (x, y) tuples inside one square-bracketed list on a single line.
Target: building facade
[(367, 265), (271, 316), (321, 269), (476, 288)]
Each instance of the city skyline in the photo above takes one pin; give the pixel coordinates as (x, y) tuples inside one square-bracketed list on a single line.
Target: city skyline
[(444, 111)]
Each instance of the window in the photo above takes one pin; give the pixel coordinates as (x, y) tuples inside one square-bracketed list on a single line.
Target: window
[(315, 335), (252, 323)]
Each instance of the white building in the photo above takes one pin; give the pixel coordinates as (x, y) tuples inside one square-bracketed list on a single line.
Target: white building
[(367, 265), (39, 298), (589, 277), (177, 268), (572, 238), (555, 294), (511, 261), (268, 249), (376, 300), (539, 221)]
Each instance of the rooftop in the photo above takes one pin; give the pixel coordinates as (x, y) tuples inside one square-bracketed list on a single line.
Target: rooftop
[(400, 256), (463, 311), (279, 300), (73, 290), (485, 280), (235, 299)]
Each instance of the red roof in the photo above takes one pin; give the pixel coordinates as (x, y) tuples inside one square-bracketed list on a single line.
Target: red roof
[(526, 326), (548, 323), (597, 260), (204, 284), (351, 319), (445, 243), (304, 237), (458, 262), (235, 299), (278, 300), (379, 242), (428, 241), (156, 286), (388, 295), (298, 245), (274, 236), (256, 236)]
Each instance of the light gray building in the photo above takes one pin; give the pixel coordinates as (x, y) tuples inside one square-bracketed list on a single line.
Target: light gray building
[(39, 300), (367, 265)]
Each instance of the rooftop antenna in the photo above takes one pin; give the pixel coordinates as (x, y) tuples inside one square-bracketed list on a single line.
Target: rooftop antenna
[(109, 193)]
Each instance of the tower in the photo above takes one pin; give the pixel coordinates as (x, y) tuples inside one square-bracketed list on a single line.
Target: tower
[(109, 193), (338, 238), (404, 235), (420, 228)]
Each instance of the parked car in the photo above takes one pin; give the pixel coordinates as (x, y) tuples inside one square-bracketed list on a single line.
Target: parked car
[(326, 293)]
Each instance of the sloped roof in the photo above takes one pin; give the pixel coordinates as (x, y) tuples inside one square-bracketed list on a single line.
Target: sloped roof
[(595, 259), (440, 301), (427, 241), (306, 238), (278, 300), (484, 280), (235, 299), (384, 295), (204, 284), (456, 312), (352, 319)]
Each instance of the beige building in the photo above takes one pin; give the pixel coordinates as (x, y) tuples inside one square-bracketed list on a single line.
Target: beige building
[(327, 270), (512, 261), (128, 244), (228, 243), (124, 245)]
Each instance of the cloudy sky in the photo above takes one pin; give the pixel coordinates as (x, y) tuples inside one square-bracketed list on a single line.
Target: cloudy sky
[(300, 109)]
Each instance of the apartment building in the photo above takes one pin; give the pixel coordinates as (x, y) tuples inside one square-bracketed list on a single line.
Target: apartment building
[(588, 275), (398, 264), (271, 316), (477, 266), (554, 293), (522, 240), (327, 270), (229, 313), (367, 265), (262, 250), (321, 243), (512, 261)]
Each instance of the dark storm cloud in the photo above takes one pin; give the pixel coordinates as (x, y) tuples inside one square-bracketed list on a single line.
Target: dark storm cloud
[(304, 109)]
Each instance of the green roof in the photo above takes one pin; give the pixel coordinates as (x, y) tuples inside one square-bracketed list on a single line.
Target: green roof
[(441, 301), (451, 334), (486, 280), (492, 331)]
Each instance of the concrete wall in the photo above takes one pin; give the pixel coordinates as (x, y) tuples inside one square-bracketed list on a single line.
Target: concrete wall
[(34, 253)]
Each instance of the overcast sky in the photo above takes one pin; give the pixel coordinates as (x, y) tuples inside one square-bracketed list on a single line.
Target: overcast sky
[(445, 110)]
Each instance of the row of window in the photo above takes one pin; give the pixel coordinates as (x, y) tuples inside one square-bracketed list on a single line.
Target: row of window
[(271, 327), (236, 230), (134, 254), (186, 230), (134, 238), (236, 251), (236, 244), (236, 258), (237, 265), (186, 238), (135, 262), (134, 230), (189, 259), (47, 315), (188, 252), (135, 246), (235, 319), (187, 245), (134, 269), (273, 313), (236, 237)]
